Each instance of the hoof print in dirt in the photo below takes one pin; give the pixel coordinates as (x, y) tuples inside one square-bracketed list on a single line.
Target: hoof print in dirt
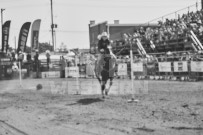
[(185, 105), (39, 87)]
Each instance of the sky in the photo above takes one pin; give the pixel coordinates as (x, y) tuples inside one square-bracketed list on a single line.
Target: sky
[(73, 16)]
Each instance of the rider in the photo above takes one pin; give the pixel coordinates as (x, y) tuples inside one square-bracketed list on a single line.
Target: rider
[(104, 47)]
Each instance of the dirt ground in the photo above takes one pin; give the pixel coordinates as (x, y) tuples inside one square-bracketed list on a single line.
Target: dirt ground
[(169, 108)]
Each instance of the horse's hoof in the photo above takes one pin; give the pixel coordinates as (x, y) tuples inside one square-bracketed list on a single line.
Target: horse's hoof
[(103, 97)]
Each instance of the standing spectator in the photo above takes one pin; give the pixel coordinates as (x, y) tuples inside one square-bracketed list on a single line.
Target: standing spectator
[(63, 66), (9, 54), (36, 56), (20, 58), (29, 60), (13, 55), (29, 57), (48, 58), (36, 61)]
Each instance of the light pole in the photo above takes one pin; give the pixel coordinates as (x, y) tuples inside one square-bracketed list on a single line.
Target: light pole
[(2, 23), (52, 25)]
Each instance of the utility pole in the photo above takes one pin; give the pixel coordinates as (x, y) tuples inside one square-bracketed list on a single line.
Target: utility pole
[(55, 37), (52, 25), (2, 16), (1, 25)]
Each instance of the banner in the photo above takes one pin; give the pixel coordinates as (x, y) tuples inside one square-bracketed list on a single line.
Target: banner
[(35, 34), (164, 66), (72, 72), (180, 66), (5, 61), (51, 74), (196, 66), (122, 69), (23, 37), (5, 35), (137, 67)]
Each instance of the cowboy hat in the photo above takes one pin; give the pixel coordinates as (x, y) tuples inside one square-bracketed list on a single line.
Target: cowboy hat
[(104, 34)]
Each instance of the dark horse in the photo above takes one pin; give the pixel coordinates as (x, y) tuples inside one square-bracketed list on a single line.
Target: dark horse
[(105, 72)]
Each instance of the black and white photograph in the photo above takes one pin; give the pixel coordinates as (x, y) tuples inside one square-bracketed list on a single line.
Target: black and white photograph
[(101, 67)]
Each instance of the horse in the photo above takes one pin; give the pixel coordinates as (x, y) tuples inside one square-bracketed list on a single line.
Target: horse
[(105, 70)]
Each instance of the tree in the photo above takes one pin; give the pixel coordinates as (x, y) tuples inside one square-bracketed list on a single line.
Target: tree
[(45, 46)]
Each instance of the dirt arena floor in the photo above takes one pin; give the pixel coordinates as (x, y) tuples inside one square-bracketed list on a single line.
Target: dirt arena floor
[(169, 108)]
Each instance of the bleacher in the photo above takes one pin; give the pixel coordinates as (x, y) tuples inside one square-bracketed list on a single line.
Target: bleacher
[(170, 35)]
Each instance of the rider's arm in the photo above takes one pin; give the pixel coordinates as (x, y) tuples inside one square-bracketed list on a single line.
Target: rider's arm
[(99, 45)]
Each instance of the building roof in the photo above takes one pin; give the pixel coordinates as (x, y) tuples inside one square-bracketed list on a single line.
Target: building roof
[(130, 24), (136, 24), (92, 25)]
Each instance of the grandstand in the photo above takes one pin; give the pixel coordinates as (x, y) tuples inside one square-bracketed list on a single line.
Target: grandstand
[(181, 34)]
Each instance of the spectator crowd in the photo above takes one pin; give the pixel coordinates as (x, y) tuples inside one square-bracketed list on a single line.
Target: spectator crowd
[(173, 29)]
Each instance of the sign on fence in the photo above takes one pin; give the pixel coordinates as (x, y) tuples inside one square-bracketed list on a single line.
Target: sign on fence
[(51, 74), (22, 70), (164, 66), (137, 67), (72, 71), (90, 69), (122, 69), (196, 66), (180, 66)]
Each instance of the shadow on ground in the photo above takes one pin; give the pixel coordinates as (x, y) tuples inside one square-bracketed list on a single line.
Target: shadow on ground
[(87, 101)]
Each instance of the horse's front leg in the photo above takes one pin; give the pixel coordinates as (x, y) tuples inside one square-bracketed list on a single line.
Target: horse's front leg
[(108, 89), (103, 86)]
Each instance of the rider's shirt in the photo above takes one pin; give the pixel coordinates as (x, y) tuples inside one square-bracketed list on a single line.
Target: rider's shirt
[(103, 44)]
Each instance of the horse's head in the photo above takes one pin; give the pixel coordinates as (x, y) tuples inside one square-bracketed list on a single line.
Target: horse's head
[(109, 63)]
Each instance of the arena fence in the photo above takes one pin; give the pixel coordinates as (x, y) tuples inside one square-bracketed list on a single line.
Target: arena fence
[(174, 71), (177, 70)]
